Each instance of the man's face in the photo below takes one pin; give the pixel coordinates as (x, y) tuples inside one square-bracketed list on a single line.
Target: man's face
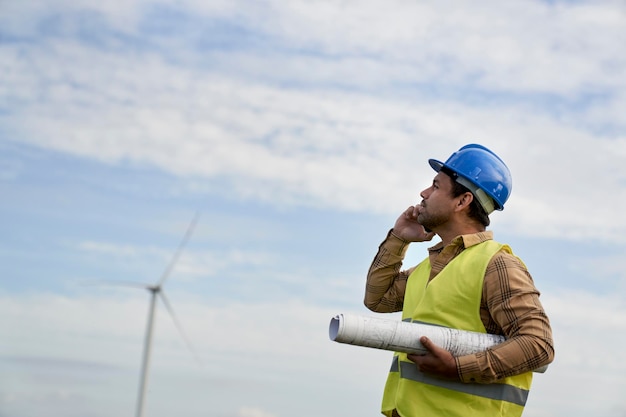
[(437, 202)]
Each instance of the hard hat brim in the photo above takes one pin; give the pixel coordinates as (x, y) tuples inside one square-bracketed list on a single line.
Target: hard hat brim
[(471, 185), (436, 165)]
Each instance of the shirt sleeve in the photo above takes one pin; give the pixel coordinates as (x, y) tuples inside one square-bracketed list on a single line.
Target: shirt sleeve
[(386, 283), (510, 306)]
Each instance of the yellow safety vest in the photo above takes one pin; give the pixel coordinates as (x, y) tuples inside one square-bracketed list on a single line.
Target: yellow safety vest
[(451, 299)]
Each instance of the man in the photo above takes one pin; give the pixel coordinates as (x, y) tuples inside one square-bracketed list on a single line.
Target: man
[(469, 282)]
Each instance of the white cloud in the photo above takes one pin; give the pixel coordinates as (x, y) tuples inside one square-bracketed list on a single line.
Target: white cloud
[(253, 412), (333, 149), (455, 42)]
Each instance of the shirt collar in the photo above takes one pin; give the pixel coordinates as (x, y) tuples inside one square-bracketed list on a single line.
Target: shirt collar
[(465, 240)]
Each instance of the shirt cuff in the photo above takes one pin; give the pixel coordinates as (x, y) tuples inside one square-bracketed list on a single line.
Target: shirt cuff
[(396, 245), (468, 368)]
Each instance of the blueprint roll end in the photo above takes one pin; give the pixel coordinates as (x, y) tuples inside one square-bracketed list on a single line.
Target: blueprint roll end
[(333, 328)]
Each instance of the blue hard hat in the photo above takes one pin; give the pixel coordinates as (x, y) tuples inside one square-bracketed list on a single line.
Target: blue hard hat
[(482, 172)]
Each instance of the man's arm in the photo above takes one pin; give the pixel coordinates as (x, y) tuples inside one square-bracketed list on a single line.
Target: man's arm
[(386, 283), (510, 306)]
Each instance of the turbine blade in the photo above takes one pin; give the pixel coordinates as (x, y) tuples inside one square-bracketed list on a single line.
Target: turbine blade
[(182, 244), (115, 283), (179, 326)]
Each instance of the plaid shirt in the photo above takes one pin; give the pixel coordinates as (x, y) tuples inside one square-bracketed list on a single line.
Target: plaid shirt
[(509, 306)]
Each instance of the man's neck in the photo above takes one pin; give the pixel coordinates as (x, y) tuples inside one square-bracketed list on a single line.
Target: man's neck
[(447, 235)]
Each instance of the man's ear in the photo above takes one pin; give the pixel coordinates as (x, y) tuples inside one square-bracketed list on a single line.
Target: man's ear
[(464, 200)]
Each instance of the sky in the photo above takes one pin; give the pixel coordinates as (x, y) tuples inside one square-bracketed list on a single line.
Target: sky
[(298, 131)]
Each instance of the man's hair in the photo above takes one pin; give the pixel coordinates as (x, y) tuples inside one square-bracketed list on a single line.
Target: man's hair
[(476, 211)]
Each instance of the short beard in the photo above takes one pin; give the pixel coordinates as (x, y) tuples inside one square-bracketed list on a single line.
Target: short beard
[(431, 222)]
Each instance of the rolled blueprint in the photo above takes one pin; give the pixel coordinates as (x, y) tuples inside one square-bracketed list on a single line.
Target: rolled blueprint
[(401, 336)]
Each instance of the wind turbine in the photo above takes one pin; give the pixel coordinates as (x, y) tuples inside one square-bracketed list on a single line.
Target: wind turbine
[(156, 290)]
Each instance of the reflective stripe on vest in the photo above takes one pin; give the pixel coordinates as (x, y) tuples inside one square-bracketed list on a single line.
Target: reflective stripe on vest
[(502, 392)]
